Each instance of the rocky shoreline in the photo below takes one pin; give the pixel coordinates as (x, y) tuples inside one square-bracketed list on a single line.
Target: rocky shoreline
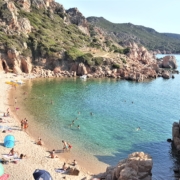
[(137, 166), (140, 66)]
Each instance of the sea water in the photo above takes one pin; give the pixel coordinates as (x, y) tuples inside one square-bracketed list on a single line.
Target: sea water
[(116, 117)]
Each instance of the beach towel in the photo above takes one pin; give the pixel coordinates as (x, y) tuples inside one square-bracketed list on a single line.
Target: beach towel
[(60, 171), (4, 177), (7, 156)]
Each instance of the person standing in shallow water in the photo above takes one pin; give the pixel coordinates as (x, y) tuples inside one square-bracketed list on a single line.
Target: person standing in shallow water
[(65, 146)]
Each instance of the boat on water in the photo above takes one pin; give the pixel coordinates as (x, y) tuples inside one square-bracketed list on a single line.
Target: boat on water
[(83, 77), (17, 81)]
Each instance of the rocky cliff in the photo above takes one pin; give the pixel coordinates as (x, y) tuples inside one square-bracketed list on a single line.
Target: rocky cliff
[(165, 43), (41, 37)]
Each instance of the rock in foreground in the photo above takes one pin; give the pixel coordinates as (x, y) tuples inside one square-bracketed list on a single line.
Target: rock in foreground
[(137, 166)]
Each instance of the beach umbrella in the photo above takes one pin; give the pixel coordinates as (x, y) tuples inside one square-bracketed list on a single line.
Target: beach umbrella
[(9, 141), (1, 169), (41, 175)]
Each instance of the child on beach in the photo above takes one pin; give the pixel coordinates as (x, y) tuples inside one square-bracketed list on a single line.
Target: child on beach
[(69, 146)]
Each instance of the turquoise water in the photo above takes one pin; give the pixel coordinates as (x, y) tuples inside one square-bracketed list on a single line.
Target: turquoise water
[(118, 107)]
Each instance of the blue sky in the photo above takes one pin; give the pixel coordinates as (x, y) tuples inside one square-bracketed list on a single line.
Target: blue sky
[(161, 15)]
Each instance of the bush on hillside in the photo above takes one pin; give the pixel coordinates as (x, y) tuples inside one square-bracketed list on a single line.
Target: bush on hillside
[(115, 66), (87, 59), (126, 50), (123, 60), (73, 53), (98, 60)]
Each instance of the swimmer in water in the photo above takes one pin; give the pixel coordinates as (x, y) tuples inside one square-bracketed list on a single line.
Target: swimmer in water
[(137, 129)]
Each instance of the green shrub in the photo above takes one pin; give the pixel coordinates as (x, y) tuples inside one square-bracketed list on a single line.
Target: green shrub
[(98, 60), (73, 53), (87, 59), (126, 50), (27, 52), (118, 51), (115, 66), (123, 60), (108, 43)]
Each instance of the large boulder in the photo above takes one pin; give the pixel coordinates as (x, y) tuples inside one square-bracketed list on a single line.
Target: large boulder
[(137, 166), (169, 62), (166, 75), (25, 4), (26, 65), (81, 69)]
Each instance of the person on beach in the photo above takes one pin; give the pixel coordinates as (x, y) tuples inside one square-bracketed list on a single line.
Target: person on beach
[(78, 126), (39, 142), (22, 156), (8, 114), (65, 146), (4, 115), (69, 146), (74, 163), (11, 152), (52, 154), (22, 124), (64, 167), (25, 125)]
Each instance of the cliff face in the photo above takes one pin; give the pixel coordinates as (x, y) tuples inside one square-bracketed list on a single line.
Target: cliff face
[(77, 18), (10, 22), (42, 33)]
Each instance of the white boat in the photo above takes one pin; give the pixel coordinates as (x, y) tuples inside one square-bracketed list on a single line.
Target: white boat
[(83, 77)]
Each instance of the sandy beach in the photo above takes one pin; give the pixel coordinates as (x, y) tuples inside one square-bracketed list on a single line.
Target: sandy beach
[(37, 156)]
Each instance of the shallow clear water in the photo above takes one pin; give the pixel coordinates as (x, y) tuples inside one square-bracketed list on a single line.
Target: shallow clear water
[(118, 107)]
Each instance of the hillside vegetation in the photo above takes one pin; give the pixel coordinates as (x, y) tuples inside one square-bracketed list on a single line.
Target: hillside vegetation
[(147, 37)]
